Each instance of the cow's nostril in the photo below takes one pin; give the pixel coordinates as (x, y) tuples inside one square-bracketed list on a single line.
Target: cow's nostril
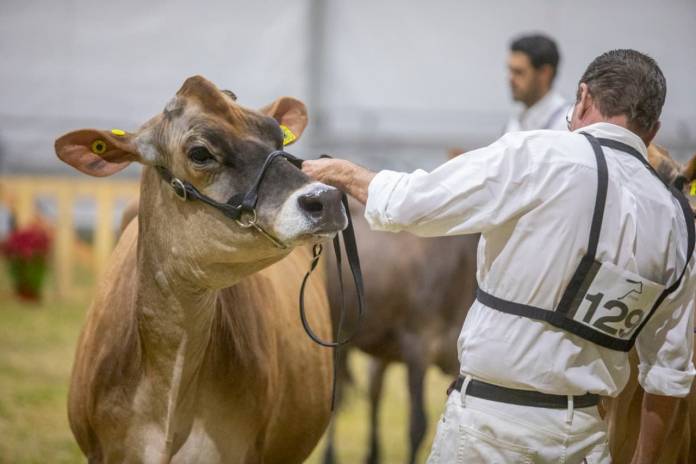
[(311, 204), (322, 207)]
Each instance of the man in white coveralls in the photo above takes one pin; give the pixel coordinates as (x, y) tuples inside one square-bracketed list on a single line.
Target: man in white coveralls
[(584, 252)]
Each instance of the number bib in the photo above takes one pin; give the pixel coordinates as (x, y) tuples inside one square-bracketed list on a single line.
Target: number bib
[(616, 301)]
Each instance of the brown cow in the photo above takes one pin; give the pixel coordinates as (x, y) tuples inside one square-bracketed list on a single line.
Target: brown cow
[(192, 350), (623, 412)]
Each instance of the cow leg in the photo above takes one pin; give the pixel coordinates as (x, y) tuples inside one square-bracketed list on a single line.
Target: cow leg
[(418, 425), (416, 364), (329, 451), (377, 368)]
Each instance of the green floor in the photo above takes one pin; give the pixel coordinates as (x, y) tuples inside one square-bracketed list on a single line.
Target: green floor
[(36, 351)]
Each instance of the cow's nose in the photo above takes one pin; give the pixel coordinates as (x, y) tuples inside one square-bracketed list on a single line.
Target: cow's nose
[(324, 207)]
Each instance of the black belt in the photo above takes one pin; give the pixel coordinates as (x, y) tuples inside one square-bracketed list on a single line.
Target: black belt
[(492, 392)]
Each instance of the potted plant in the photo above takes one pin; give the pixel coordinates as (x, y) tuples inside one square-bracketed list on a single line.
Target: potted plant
[(26, 250)]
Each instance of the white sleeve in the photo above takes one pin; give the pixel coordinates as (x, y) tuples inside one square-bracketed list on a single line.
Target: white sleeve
[(665, 345), (471, 193)]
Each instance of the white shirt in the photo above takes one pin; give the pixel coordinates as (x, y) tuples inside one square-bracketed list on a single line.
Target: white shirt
[(548, 113), (531, 196)]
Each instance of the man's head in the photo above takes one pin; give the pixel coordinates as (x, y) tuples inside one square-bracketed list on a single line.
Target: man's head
[(624, 87), (532, 66)]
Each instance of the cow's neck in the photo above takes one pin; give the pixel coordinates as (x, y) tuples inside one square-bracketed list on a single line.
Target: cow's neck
[(175, 315), (174, 318)]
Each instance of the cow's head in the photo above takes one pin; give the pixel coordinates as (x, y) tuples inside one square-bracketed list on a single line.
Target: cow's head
[(206, 138)]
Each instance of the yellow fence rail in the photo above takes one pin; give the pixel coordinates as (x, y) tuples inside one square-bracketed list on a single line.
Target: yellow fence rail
[(20, 195)]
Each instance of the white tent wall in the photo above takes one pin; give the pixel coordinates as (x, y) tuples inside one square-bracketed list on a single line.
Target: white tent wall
[(68, 64), (407, 79), (390, 83)]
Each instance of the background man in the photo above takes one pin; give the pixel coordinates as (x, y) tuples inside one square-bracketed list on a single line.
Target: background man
[(532, 67), (555, 219)]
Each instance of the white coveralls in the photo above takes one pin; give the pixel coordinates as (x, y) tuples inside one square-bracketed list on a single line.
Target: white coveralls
[(531, 196)]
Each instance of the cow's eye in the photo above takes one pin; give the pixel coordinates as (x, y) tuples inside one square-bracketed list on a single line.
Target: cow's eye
[(200, 155)]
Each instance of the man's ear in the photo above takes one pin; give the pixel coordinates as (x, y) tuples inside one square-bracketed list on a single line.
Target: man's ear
[(290, 113), (96, 152), (584, 101)]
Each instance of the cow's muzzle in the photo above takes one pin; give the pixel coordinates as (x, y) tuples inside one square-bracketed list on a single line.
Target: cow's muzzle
[(322, 206)]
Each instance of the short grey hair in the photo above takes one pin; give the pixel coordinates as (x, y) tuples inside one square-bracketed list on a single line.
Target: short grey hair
[(627, 82)]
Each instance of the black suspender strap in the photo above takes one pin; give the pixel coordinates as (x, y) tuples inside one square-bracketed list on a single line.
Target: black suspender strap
[(678, 195), (554, 318), (688, 218), (588, 267)]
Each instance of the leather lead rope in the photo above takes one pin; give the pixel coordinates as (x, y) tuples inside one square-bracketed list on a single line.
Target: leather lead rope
[(351, 250)]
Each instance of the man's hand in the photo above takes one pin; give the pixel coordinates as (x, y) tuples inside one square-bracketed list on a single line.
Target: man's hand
[(342, 174)]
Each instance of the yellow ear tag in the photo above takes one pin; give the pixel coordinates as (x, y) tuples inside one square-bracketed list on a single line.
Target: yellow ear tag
[(118, 132), (288, 136), (693, 189), (99, 147)]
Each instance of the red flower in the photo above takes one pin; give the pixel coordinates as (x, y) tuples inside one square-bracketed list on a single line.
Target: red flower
[(28, 242)]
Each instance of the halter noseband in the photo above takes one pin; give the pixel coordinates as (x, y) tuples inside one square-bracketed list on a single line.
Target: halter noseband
[(241, 208)]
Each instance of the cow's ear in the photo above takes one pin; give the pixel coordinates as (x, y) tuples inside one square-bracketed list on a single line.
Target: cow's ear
[(689, 170), (96, 152), (291, 114)]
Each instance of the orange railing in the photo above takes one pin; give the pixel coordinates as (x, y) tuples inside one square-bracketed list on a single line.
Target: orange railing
[(20, 194)]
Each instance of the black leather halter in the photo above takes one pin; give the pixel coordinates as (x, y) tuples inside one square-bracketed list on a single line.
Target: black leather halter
[(242, 209)]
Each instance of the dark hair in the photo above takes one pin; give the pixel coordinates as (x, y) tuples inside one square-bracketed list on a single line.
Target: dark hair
[(627, 82), (540, 49)]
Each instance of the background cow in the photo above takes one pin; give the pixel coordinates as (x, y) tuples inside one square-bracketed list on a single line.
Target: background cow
[(417, 292)]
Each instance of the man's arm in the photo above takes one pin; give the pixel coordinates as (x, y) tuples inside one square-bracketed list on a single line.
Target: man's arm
[(468, 194), (342, 174), (656, 421), (666, 370)]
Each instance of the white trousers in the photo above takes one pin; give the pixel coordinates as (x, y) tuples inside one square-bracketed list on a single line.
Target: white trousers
[(473, 430)]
